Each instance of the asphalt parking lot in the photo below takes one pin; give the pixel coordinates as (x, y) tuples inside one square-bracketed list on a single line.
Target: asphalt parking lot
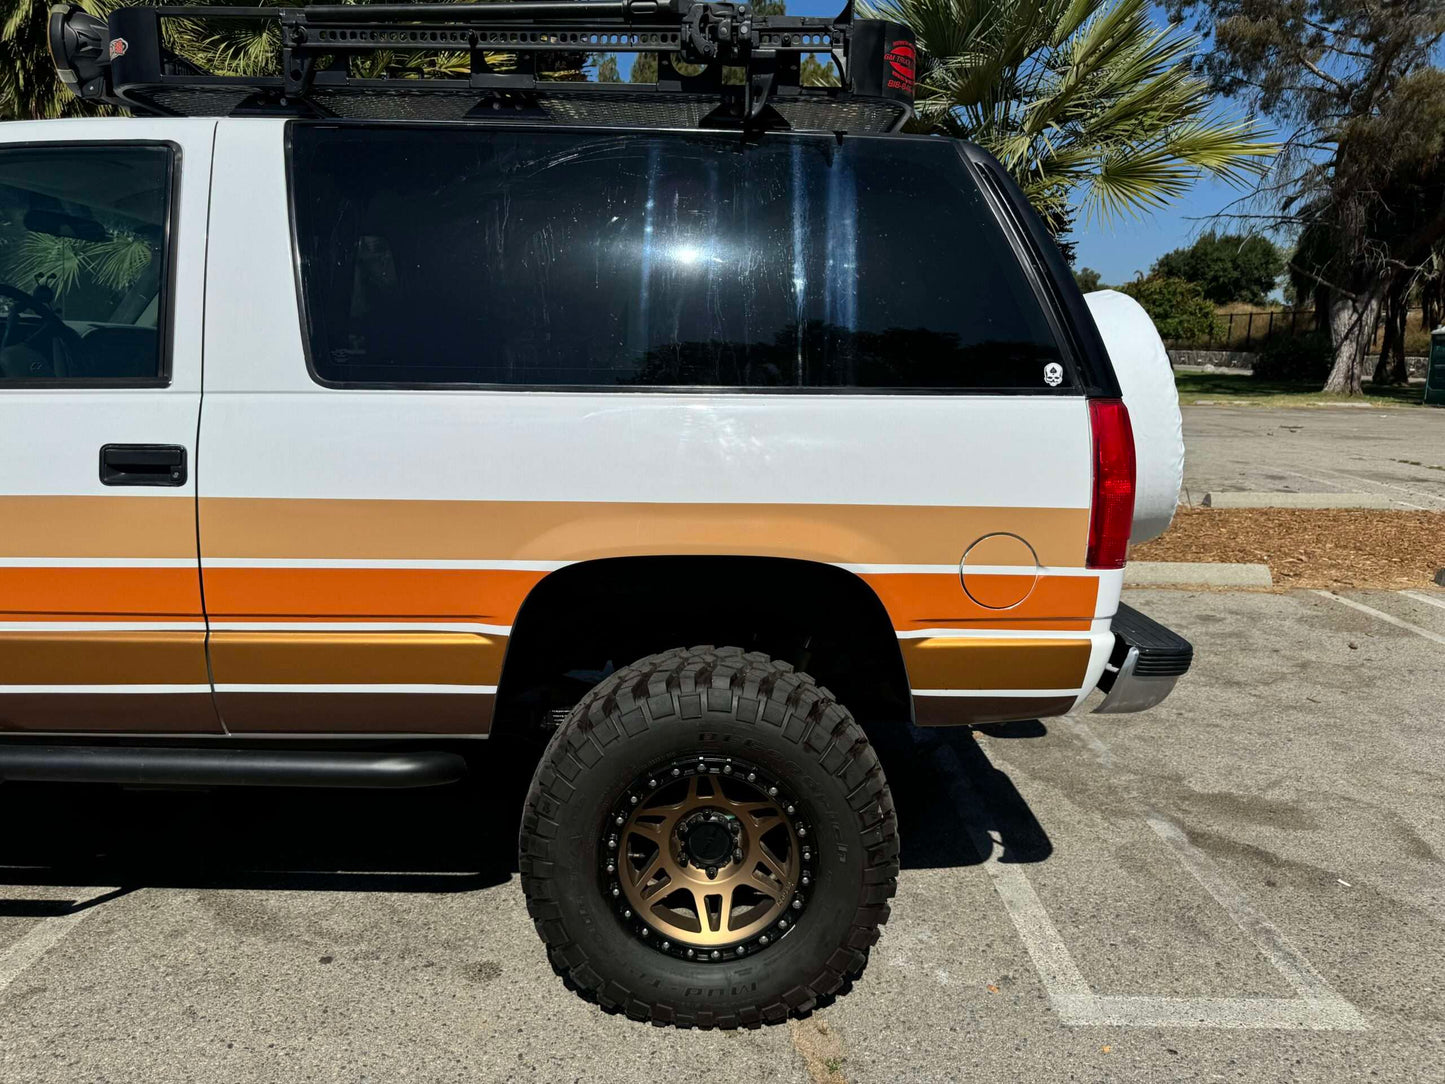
[(1396, 453), (1243, 884)]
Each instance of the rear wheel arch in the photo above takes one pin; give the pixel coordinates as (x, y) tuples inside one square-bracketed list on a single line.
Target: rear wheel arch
[(584, 620)]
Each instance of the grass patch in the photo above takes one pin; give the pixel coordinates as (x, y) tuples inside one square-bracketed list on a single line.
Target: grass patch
[(1235, 389)]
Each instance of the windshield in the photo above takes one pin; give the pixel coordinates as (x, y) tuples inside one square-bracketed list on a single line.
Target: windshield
[(568, 258)]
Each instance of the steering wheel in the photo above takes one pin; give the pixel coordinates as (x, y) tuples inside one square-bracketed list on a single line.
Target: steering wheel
[(52, 327)]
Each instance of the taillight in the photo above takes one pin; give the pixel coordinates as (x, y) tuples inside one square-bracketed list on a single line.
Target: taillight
[(1111, 518)]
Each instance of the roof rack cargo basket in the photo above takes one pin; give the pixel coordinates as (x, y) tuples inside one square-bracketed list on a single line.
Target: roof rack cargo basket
[(517, 60)]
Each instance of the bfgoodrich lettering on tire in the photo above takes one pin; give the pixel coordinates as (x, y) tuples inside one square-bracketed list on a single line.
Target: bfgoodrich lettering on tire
[(709, 841)]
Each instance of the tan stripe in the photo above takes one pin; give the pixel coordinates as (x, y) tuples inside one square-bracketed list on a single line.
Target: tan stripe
[(970, 710), (356, 658), (131, 525), (103, 658), (956, 662), (580, 530)]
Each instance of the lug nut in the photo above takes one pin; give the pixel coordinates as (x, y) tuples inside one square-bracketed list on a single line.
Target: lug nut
[(716, 955), (633, 799), (790, 808), (616, 891), (676, 772), (752, 776), (807, 880), (645, 931), (627, 913), (689, 952), (711, 872), (727, 769), (782, 924), (666, 945), (802, 831), (772, 792), (742, 949), (738, 855), (652, 782), (797, 905), (807, 856), (611, 867), (620, 818), (763, 940)]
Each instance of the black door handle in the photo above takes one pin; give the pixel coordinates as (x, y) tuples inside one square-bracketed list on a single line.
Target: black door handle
[(143, 465)]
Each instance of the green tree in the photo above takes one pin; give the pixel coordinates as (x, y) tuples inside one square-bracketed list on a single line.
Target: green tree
[(1088, 279), (1362, 177), (1178, 308), (1090, 105), (607, 69), (1228, 267)]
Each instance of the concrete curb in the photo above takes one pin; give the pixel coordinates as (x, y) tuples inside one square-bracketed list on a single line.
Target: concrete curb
[(1254, 499), (1202, 573)]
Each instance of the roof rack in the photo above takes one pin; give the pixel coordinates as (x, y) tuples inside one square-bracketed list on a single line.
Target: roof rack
[(130, 61)]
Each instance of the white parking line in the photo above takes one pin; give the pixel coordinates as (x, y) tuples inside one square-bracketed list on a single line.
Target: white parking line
[(1318, 1008), (1420, 596), (1387, 618), (45, 935)]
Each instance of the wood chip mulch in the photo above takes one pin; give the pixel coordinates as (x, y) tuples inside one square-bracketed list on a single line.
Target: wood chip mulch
[(1326, 548)]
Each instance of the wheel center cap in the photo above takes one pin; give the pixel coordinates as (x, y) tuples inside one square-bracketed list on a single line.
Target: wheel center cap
[(709, 843)]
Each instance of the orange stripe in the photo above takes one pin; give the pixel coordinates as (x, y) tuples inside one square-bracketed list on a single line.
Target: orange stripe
[(923, 600), (489, 596), (941, 662), (71, 594)]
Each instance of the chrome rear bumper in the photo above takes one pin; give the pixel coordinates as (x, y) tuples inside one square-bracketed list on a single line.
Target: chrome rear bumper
[(1147, 660)]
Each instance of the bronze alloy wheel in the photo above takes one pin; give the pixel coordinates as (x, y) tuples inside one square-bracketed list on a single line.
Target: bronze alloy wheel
[(707, 858)]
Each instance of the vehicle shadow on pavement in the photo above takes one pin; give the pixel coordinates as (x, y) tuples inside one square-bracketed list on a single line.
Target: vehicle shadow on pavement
[(946, 790), (457, 838)]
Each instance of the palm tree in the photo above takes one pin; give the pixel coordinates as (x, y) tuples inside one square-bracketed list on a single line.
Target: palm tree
[(1091, 106), (29, 86)]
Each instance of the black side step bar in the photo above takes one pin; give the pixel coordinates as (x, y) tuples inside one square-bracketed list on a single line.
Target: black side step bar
[(157, 766)]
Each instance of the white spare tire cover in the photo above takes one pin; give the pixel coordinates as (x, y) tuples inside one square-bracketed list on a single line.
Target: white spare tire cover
[(1147, 380)]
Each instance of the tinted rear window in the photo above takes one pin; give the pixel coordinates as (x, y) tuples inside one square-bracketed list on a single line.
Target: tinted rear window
[(566, 258)]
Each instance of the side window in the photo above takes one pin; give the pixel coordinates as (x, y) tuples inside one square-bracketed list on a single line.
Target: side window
[(83, 262), (641, 259)]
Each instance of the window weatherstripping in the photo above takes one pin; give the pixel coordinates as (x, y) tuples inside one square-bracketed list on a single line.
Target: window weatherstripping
[(488, 257)]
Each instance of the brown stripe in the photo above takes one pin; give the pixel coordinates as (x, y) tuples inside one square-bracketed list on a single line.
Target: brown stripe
[(356, 713), (356, 658), (968, 663), (580, 530), (968, 710), (131, 713), (128, 525), (103, 658)]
